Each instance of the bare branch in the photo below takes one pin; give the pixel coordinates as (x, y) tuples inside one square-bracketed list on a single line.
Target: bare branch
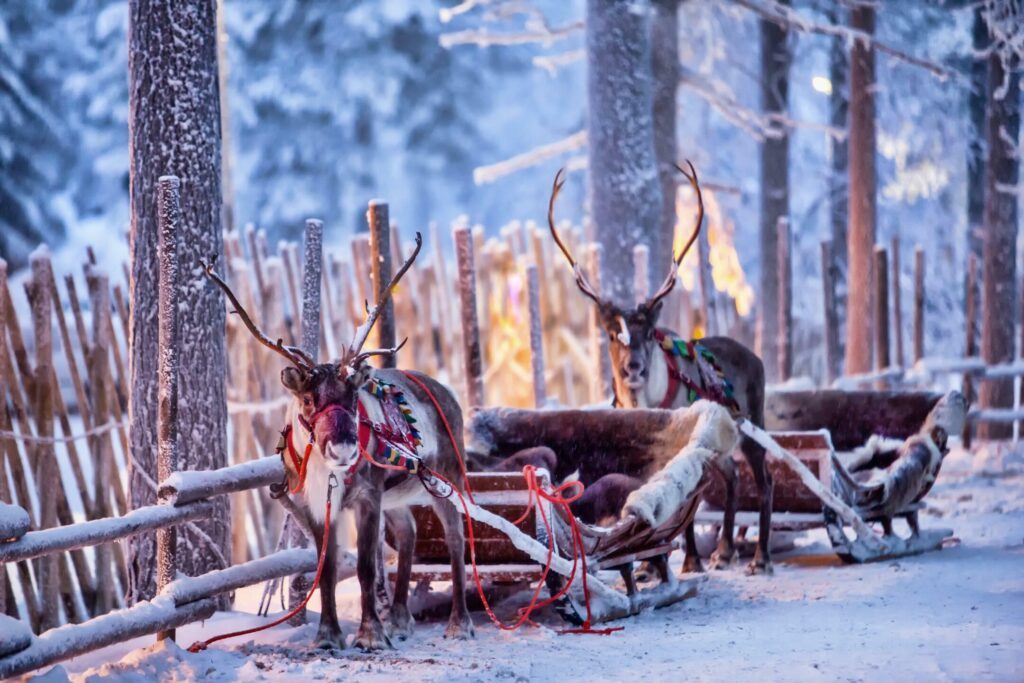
[(485, 38), (488, 174), (552, 63)]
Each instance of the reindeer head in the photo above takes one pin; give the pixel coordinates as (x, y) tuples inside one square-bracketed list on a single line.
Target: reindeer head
[(326, 394), (630, 331)]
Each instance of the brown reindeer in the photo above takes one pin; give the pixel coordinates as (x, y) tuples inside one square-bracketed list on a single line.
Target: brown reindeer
[(652, 368), (330, 404)]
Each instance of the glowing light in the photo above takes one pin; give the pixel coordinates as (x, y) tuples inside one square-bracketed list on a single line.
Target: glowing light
[(726, 272), (822, 85)]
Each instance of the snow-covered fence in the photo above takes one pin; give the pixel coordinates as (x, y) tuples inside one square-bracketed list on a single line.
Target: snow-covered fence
[(184, 496)]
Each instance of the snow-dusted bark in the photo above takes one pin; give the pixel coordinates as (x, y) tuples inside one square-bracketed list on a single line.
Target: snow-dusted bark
[(313, 241), (186, 487), (169, 223), (174, 127), (625, 194), (999, 303), (861, 232), (665, 69), (775, 60), (536, 336), (380, 275)]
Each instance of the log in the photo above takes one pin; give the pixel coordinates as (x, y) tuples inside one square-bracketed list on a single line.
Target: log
[(277, 565), (182, 488), (117, 627), (472, 355), (14, 522), (918, 304), (971, 341), (641, 273), (169, 286), (831, 317)]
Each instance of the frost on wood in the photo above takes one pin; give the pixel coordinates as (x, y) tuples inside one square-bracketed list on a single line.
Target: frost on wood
[(536, 336), (311, 275), (473, 355), (280, 564), (14, 635), (380, 275), (174, 123), (186, 487), (624, 185), (14, 522), (116, 627)]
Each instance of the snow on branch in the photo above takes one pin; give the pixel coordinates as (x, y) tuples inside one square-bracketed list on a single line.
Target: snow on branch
[(552, 63), (449, 13), (485, 38), (787, 17), (488, 174), (1005, 21), (759, 125)]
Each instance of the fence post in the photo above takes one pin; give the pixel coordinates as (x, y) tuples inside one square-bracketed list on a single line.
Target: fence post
[(601, 386), (641, 272), (897, 307), (380, 275), (470, 328), (536, 336), (881, 272), (169, 286), (831, 332), (918, 303), (707, 296), (971, 342), (785, 312), (311, 275)]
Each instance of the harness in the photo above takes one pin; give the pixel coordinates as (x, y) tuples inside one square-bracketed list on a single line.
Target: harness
[(714, 385), (397, 439)]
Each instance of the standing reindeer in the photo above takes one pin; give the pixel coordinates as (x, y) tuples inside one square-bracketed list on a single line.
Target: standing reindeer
[(343, 412), (653, 368)]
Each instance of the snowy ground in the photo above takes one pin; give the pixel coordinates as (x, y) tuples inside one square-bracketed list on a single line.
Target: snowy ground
[(957, 614)]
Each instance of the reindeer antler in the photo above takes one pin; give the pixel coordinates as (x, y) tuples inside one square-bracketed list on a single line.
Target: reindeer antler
[(581, 278), (295, 355), (354, 355), (670, 279)]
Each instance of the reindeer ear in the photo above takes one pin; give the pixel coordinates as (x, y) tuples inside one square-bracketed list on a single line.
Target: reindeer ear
[(654, 311), (293, 379)]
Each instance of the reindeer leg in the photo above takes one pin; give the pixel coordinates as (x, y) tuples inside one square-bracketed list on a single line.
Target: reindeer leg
[(403, 527), (725, 553), (459, 624), (691, 563), (328, 635), (371, 635), (762, 562)]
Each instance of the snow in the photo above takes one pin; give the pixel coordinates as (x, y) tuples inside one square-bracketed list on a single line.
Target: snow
[(14, 521)]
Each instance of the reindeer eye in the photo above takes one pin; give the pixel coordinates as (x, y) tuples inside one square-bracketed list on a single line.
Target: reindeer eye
[(306, 401)]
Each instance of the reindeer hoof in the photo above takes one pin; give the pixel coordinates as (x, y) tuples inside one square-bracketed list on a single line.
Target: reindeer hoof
[(327, 639), (723, 558), (692, 564), (401, 622), (758, 566), (460, 629), (372, 638)]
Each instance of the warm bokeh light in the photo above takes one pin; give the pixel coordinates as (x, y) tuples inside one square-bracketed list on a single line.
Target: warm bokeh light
[(822, 85)]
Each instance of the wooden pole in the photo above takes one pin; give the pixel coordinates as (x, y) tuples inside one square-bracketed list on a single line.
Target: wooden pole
[(169, 287), (536, 337), (881, 272), (601, 385), (897, 308), (918, 303), (312, 263), (641, 273), (831, 331), (971, 341), (470, 330), (707, 297), (46, 471), (785, 294), (380, 276)]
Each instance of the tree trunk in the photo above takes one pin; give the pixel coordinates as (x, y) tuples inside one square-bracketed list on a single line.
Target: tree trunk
[(775, 59), (1000, 248), (624, 192), (839, 197), (174, 128), (665, 67), (861, 233)]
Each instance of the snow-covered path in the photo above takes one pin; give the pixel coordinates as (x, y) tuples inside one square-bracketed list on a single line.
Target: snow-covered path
[(951, 615)]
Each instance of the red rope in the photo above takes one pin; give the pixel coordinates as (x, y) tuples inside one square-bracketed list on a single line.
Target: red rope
[(201, 645)]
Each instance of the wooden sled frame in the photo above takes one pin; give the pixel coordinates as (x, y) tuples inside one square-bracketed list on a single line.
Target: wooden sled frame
[(522, 551)]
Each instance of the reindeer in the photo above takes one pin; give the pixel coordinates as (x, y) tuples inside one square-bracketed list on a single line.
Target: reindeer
[(329, 398), (647, 374)]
